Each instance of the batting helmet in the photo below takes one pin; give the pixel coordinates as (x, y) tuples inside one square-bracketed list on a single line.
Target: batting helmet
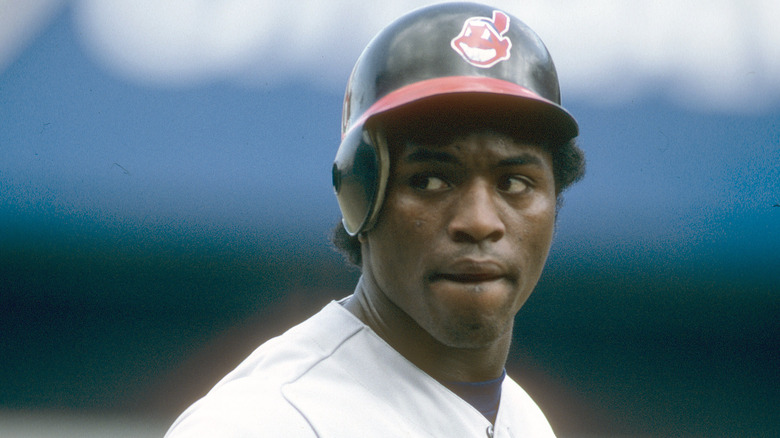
[(461, 59)]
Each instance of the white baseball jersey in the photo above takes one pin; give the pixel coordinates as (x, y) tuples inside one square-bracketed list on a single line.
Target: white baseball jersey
[(332, 376)]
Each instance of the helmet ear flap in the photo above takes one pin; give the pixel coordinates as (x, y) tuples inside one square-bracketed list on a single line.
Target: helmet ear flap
[(360, 173)]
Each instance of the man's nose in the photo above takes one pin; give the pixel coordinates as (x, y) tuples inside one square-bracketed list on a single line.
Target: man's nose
[(476, 216)]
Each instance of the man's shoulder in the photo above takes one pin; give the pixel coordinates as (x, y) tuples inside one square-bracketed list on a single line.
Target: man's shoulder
[(246, 407), (291, 354), (251, 399)]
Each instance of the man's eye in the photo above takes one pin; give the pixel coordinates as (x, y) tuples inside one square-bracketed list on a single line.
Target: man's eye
[(513, 184), (428, 182)]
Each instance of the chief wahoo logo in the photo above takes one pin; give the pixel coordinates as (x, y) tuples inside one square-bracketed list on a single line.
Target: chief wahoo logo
[(481, 42)]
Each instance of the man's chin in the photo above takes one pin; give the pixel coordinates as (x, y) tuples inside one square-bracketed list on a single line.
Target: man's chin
[(472, 334)]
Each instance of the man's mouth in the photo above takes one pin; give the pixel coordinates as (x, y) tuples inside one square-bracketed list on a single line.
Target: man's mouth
[(468, 271), (468, 277)]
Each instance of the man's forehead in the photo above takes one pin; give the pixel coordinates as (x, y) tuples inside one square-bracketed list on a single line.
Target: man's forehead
[(497, 145), (442, 128)]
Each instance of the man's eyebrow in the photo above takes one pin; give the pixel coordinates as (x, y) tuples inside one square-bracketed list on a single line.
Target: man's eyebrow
[(521, 160), (422, 155)]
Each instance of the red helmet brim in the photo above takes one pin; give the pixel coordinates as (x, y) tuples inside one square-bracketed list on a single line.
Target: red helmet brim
[(508, 96)]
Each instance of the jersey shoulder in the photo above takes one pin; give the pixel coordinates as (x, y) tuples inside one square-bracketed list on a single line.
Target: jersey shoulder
[(250, 400), (241, 408)]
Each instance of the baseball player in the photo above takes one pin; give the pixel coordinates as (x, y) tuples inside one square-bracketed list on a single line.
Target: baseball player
[(454, 154)]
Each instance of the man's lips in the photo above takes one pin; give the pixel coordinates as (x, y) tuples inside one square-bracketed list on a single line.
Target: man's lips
[(471, 271), (467, 278)]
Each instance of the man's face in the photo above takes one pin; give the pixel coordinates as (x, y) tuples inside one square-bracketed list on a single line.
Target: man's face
[(463, 235)]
